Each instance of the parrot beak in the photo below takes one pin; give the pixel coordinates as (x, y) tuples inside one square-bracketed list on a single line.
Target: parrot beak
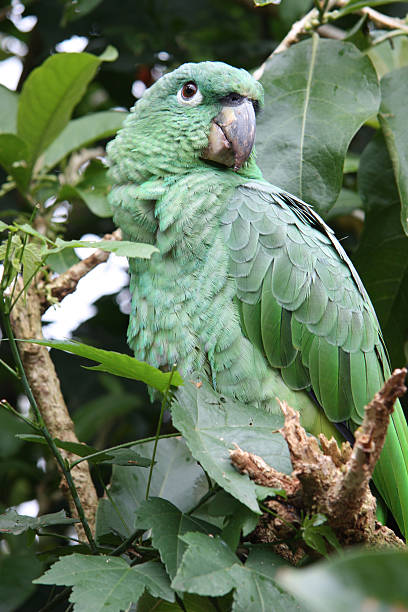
[(232, 134)]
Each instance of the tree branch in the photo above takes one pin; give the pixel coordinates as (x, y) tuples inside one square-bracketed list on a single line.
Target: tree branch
[(329, 480)]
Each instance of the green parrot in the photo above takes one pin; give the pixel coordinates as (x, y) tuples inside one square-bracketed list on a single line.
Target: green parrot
[(249, 286)]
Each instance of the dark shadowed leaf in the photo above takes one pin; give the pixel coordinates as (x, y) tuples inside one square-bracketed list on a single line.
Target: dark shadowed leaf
[(317, 95), (393, 119), (382, 257), (212, 424), (107, 583), (176, 477), (50, 94), (14, 156), (117, 364), (352, 581), (12, 522), (17, 572)]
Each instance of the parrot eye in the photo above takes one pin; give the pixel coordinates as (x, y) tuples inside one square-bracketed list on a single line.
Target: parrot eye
[(189, 94)]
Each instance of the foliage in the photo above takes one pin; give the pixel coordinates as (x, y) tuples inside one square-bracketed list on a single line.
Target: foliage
[(173, 526)]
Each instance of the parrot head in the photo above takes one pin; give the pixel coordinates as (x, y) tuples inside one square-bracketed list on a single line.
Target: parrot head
[(204, 111)]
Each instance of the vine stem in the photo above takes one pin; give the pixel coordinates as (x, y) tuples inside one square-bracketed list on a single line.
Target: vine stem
[(159, 424), (4, 311)]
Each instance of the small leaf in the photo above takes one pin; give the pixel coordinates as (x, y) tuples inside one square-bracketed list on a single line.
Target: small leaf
[(12, 522), (50, 94), (117, 363), (393, 120), (60, 262), (352, 581), (107, 583), (122, 248), (82, 132), (32, 260), (168, 523), (211, 425), (317, 91)]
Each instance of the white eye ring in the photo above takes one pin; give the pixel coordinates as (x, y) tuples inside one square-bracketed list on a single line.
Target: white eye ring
[(195, 99)]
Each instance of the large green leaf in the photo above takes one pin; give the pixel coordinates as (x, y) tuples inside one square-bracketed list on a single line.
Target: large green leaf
[(50, 94), (117, 364), (318, 93), (107, 583), (168, 523), (14, 156), (382, 256), (209, 567), (211, 424), (176, 477), (8, 105), (393, 120), (82, 132), (353, 581)]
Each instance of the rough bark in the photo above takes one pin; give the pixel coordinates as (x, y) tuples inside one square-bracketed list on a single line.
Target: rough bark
[(327, 479)]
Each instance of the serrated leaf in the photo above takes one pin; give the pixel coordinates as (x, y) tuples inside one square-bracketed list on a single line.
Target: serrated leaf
[(8, 105), (107, 583), (352, 581), (50, 94), (393, 120), (206, 566), (167, 523), (176, 477), (32, 259), (14, 157), (118, 364), (212, 424), (317, 91), (122, 248), (12, 522), (82, 132)]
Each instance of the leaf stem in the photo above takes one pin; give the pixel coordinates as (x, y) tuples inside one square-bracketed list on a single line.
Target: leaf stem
[(60, 535), (119, 446), (4, 404), (4, 312), (159, 424), (9, 369)]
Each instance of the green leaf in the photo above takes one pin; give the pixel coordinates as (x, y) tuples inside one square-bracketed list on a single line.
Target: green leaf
[(382, 256), (107, 583), (14, 523), (176, 477), (206, 566), (17, 572), (318, 92), (8, 105), (352, 581), (347, 202), (50, 94), (316, 534), (168, 523), (387, 56), (209, 567), (121, 456), (81, 133), (92, 189), (356, 5), (14, 156), (257, 590), (60, 262), (123, 248), (32, 259), (393, 120), (212, 424), (117, 363), (75, 9)]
